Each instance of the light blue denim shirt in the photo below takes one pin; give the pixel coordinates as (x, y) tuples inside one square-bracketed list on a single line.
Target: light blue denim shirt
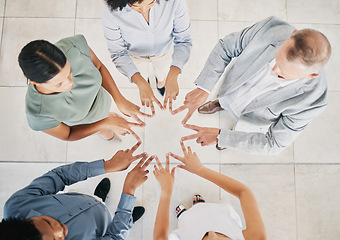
[(127, 32), (85, 216)]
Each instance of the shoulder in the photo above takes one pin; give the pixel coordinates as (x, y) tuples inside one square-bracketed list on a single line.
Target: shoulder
[(76, 41)]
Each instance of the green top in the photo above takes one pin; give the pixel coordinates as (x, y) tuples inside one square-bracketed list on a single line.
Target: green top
[(86, 102)]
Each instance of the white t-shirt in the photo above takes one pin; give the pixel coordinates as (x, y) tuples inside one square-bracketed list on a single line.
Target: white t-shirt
[(194, 223)]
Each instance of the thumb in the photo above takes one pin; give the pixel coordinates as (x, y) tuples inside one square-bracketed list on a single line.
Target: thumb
[(173, 171), (180, 166)]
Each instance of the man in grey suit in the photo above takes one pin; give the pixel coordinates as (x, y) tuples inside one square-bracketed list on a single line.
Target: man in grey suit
[(274, 89)]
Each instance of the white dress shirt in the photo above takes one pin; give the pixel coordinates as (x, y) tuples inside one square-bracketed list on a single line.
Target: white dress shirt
[(127, 32)]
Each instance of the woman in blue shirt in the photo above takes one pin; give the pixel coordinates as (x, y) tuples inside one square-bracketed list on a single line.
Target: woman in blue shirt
[(144, 31)]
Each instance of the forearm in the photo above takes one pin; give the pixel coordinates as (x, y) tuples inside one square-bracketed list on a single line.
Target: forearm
[(122, 221), (230, 185), (78, 132), (161, 229), (138, 79)]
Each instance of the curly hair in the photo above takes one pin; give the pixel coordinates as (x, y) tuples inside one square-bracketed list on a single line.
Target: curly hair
[(115, 4), (18, 229), (40, 60)]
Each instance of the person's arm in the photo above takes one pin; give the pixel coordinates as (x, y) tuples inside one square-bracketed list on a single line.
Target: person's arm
[(125, 106), (122, 221), (182, 47), (77, 132), (280, 134), (255, 226), (165, 179)]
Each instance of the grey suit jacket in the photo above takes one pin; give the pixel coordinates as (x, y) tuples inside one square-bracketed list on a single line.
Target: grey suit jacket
[(269, 124)]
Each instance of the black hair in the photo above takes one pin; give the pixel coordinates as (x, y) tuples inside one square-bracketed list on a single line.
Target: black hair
[(18, 229), (40, 60), (115, 4)]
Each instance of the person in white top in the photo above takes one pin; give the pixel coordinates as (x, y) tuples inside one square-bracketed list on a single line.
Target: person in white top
[(140, 32), (226, 222)]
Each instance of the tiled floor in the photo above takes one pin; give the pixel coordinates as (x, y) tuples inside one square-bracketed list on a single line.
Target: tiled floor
[(298, 191)]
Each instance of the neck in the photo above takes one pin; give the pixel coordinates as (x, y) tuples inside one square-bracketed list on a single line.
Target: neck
[(43, 90)]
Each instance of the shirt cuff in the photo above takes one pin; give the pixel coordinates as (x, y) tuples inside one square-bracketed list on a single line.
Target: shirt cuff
[(222, 138), (127, 202), (96, 168), (202, 88)]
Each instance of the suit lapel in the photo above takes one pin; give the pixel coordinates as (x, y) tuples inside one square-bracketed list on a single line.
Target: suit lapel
[(256, 63)]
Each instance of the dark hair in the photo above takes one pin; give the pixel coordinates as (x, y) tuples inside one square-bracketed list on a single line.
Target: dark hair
[(18, 229), (40, 60), (114, 4), (310, 46)]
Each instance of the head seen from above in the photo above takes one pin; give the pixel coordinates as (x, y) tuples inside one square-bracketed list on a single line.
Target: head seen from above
[(302, 55), (141, 6), (46, 67)]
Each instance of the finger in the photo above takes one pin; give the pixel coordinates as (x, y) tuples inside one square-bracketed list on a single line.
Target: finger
[(189, 150), (152, 109), (144, 114), (165, 100), (167, 162), (192, 127), (183, 148), (134, 124), (170, 104), (147, 104), (138, 120), (140, 163), (188, 116), (158, 163), (158, 103), (180, 109), (133, 149), (177, 157), (156, 168), (199, 140), (192, 136), (134, 158), (135, 135), (180, 166), (146, 164), (142, 102), (173, 171)]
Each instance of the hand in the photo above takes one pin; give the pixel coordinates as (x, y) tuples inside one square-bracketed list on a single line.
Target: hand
[(171, 86), (122, 159), (137, 176), (193, 100), (190, 160), (146, 94), (163, 176), (205, 136), (120, 125), (131, 110)]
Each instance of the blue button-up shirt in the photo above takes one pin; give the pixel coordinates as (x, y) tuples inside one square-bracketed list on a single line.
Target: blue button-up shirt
[(127, 32), (85, 216)]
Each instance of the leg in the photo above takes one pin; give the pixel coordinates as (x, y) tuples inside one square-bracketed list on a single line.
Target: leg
[(161, 66)]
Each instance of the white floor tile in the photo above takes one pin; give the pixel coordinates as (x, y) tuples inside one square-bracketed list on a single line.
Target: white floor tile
[(41, 8), (204, 37), (89, 8), (317, 201), (319, 143), (17, 33), (21, 142), (2, 8), (250, 10), (202, 10), (313, 11), (273, 187)]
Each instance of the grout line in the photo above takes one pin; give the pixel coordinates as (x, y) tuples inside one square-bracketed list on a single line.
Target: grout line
[(296, 220)]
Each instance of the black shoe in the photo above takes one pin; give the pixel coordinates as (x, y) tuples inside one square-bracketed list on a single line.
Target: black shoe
[(160, 90), (137, 213), (103, 189)]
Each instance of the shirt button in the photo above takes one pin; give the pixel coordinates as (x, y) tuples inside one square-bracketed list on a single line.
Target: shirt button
[(70, 214)]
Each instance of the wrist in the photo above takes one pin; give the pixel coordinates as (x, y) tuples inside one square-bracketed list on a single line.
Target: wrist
[(129, 190), (138, 79), (166, 193)]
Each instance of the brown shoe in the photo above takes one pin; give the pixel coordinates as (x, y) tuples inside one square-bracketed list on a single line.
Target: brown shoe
[(210, 107)]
